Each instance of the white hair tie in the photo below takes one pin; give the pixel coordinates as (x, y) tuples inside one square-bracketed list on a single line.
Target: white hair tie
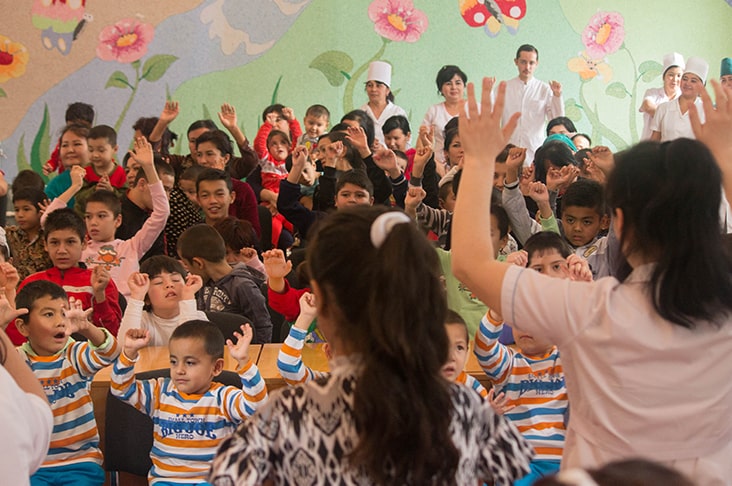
[(576, 477), (382, 225)]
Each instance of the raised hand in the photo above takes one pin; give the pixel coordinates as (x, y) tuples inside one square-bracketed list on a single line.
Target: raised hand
[(193, 285), (142, 152), (415, 195), (9, 277), (139, 284), (715, 131), (520, 258), (578, 268), (78, 318), (240, 350), (7, 313), (170, 112), (77, 176), (602, 158), (559, 179), (308, 311), (426, 137), (227, 116), (99, 280), (275, 264), (288, 113), (135, 340), (386, 160), (421, 157), (538, 192), (357, 137), (47, 169), (499, 403), (556, 87)]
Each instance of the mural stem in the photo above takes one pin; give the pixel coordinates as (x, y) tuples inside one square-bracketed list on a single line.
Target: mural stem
[(632, 111), (351, 84), (598, 127), (122, 115)]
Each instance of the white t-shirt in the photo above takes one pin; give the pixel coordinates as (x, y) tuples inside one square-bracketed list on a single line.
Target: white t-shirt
[(26, 422), (160, 328), (390, 110), (438, 116), (672, 123)]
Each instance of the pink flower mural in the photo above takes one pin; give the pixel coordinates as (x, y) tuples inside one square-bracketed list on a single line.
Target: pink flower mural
[(397, 20), (125, 42), (13, 59), (604, 34)]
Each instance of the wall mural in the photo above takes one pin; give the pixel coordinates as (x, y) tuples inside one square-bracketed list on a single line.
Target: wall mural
[(127, 60)]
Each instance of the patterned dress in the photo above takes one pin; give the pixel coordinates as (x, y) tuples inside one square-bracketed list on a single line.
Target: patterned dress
[(304, 435)]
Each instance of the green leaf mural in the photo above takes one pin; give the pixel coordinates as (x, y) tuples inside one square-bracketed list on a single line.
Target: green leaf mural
[(335, 66), (276, 91), (156, 66), (650, 70), (617, 90), (572, 111), (41, 142), (118, 79), (21, 159), (3, 94)]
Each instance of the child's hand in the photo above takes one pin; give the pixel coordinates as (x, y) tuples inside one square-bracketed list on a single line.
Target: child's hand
[(77, 174), (43, 205), (9, 277), (227, 116), (520, 258), (142, 152), (538, 192), (714, 132), (602, 158), (78, 318), (578, 268), (357, 137), (426, 138), (299, 157), (170, 112), (7, 313), (139, 284), (415, 195), (386, 160), (193, 285), (47, 169), (288, 114), (104, 183), (135, 340), (499, 402), (516, 158), (308, 311), (240, 350), (275, 264), (592, 171), (557, 180), (99, 280), (421, 157)]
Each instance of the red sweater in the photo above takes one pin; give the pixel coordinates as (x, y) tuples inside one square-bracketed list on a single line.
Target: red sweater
[(286, 302), (76, 281)]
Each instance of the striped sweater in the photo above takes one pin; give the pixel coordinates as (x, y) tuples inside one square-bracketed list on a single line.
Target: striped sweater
[(66, 379), (187, 428), (534, 384)]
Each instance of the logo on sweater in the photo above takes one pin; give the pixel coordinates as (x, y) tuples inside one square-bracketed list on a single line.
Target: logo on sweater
[(106, 256), (186, 427), (542, 383)]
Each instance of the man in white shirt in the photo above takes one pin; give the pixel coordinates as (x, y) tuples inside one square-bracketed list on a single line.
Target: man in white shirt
[(536, 100)]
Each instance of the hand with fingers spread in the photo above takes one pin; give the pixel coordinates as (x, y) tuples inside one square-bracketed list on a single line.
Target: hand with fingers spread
[(240, 350), (557, 180), (43, 205), (277, 268), (227, 116), (499, 403), (142, 152), (139, 284), (357, 137), (578, 268), (7, 313), (715, 131), (78, 318), (170, 112), (193, 284), (386, 160)]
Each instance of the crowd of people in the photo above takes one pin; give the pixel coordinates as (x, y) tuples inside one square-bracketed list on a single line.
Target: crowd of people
[(605, 363)]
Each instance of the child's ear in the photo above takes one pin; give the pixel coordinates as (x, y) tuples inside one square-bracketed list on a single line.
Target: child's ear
[(503, 241), (233, 195), (118, 221), (198, 262), (605, 222), (22, 327), (218, 367)]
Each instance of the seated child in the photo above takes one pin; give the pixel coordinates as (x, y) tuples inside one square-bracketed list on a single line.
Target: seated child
[(226, 288), (103, 211), (25, 238), (187, 182), (162, 297), (241, 243), (280, 118), (454, 369), (103, 172), (396, 137), (64, 232), (191, 415), (65, 369), (529, 382), (216, 193), (317, 118), (74, 151)]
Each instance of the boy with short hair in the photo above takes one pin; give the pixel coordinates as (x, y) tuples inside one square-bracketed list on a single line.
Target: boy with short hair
[(215, 193), (316, 121), (65, 369), (191, 415), (64, 233), (103, 172), (25, 238), (225, 288)]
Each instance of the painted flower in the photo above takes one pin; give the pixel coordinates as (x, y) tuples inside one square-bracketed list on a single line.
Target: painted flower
[(126, 41), (588, 68), (397, 20), (13, 59), (604, 34)]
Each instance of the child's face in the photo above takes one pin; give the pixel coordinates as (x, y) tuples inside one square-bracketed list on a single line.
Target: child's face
[(101, 154), (309, 174), (278, 148), (499, 175), (397, 140), (192, 137), (26, 215), (455, 151), (64, 247), (352, 195), (580, 224), (189, 189), (315, 125), (448, 204), (549, 262), (165, 292), (581, 142), (191, 367), (101, 223), (74, 150), (498, 241), (215, 199), (458, 351), (530, 345), (210, 156), (45, 327)]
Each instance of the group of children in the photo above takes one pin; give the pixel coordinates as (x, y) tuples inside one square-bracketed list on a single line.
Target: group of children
[(97, 240)]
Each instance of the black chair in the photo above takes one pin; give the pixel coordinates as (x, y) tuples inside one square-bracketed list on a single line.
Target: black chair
[(229, 323), (128, 434)]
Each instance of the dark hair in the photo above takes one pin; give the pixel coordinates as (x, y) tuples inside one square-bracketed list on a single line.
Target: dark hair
[(554, 151), (503, 156), (349, 153), (445, 75), (29, 294), (452, 123), (670, 196), (389, 95), (30, 194), (401, 401), (237, 233), (29, 179), (456, 181), (547, 240), (5, 251), (161, 168), (317, 111), (527, 48), (276, 108), (278, 133), (337, 128), (444, 191), (202, 241), (75, 128), (62, 219), (629, 472), (220, 140), (453, 318), (580, 156), (357, 177), (450, 134), (146, 125), (582, 135), (157, 264), (365, 121), (192, 173), (214, 175), (502, 217), (198, 124), (213, 339), (79, 112), (396, 122), (108, 198), (560, 120), (103, 132), (585, 193)]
